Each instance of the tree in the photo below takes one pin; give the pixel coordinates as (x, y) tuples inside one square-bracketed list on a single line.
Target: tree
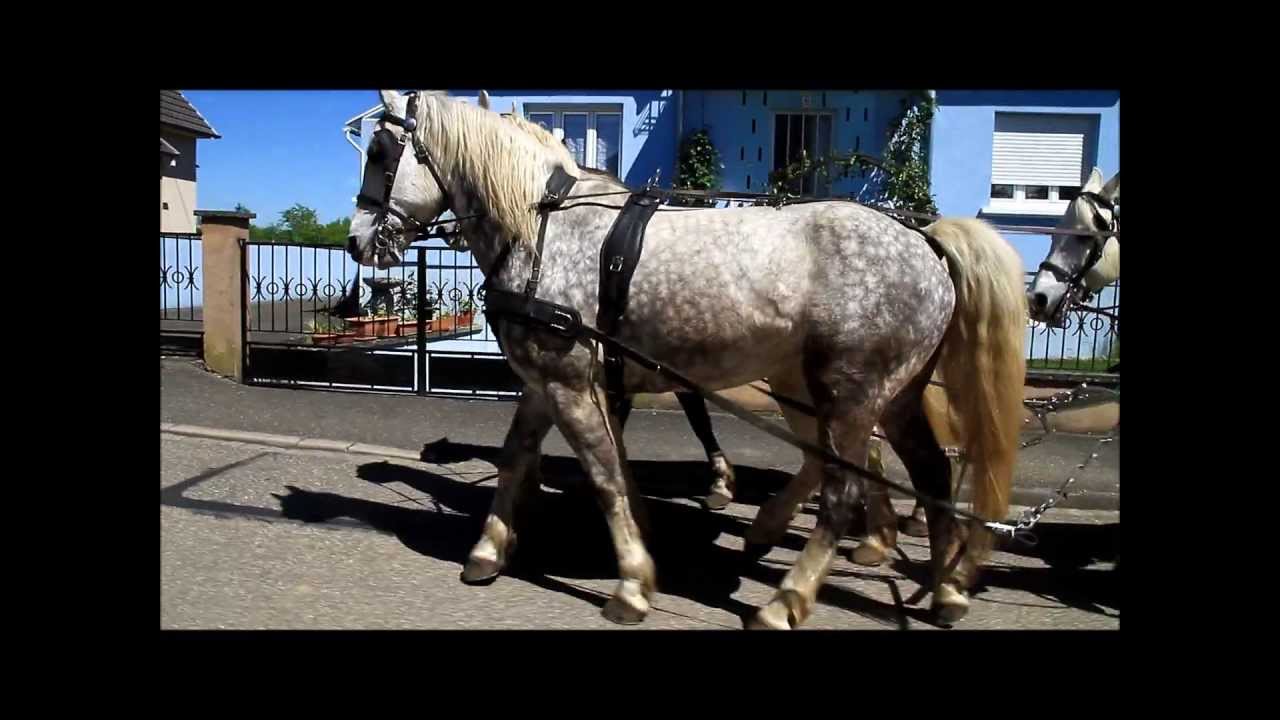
[(301, 225), (302, 222)]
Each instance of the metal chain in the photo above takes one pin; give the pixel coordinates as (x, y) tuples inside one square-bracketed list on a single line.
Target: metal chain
[(1021, 530), (1082, 396)]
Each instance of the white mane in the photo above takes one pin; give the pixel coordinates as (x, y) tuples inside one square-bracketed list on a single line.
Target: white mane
[(506, 167)]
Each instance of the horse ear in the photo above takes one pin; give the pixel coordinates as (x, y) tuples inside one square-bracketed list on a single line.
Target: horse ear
[(1112, 190), (389, 98), (1094, 183), (484, 99)]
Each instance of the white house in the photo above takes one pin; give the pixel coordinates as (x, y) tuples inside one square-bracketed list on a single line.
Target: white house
[(181, 125)]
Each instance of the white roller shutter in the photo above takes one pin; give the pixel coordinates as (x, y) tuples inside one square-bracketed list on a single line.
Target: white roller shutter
[(1038, 150)]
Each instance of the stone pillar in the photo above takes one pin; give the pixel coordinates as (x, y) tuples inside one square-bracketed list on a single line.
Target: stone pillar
[(226, 300)]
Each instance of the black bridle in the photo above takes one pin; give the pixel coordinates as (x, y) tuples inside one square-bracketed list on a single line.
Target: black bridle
[(384, 153), (1076, 291)]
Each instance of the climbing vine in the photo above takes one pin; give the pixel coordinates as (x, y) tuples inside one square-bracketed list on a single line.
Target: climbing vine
[(899, 179)]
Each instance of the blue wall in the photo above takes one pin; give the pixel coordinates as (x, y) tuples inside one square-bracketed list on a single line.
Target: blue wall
[(859, 121), (648, 123), (961, 138)]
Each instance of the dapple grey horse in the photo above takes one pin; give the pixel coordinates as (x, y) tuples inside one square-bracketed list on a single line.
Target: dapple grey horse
[(838, 305)]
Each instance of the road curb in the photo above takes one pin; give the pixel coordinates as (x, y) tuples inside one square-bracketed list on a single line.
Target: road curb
[(291, 442)]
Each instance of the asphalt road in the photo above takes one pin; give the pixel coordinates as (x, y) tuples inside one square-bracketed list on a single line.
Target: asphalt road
[(262, 538), (189, 395)]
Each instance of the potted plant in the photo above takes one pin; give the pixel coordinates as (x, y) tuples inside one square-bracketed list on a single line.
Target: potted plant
[(466, 311), (407, 306), (328, 330)]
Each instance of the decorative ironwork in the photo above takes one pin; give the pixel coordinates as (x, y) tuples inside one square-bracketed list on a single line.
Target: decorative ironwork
[(1084, 342)]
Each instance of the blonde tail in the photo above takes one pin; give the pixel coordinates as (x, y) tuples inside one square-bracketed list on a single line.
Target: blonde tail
[(984, 363)]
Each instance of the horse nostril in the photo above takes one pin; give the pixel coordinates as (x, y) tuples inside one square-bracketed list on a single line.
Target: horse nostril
[(1040, 300), (351, 245)]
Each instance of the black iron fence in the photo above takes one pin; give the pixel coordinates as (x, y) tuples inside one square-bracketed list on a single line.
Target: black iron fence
[(414, 327), (181, 294), (423, 319), (1088, 342)]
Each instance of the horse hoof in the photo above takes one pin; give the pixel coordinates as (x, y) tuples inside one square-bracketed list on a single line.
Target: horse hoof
[(774, 616), (868, 555), (914, 528), (950, 605), (480, 571), (716, 502), (628, 605)]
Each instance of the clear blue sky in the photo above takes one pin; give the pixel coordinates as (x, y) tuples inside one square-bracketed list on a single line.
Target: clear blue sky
[(279, 148)]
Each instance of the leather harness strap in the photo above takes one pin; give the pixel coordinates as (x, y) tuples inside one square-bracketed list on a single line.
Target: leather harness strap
[(619, 256)]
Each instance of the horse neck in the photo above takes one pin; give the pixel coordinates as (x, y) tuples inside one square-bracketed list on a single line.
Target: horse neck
[(488, 237)]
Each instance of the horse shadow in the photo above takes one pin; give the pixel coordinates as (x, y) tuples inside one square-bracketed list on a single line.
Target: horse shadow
[(564, 534), (653, 478), (1067, 551)]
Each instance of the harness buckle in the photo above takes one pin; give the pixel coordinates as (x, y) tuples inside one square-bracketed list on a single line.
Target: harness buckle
[(566, 325), (615, 265)]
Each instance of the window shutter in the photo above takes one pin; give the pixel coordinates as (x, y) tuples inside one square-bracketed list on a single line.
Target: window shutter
[(1038, 150)]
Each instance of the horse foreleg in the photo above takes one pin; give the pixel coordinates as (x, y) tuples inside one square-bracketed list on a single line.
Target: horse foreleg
[(585, 423), (516, 466), (723, 483), (775, 515), (882, 523)]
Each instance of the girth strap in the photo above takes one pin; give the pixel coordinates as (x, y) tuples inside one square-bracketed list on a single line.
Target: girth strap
[(619, 256)]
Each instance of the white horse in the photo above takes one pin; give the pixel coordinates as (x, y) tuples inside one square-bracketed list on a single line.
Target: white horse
[(1074, 266), (838, 305)]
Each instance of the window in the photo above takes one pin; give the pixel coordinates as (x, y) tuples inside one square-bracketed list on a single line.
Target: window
[(810, 133), (593, 135), (1038, 161)]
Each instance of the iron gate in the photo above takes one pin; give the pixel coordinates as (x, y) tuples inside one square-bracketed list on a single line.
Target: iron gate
[(291, 339), (419, 330)]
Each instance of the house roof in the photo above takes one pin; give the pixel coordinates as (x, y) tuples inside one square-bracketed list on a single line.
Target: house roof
[(167, 149), (176, 111)]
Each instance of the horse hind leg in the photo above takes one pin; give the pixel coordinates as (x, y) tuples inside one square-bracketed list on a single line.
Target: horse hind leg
[(913, 439), (723, 482), (847, 410)]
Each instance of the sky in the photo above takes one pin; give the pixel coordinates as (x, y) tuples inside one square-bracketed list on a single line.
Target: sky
[(279, 148)]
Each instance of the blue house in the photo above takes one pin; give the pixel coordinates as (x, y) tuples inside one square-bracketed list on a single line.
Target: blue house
[(1016, 157), (1011, 157), (636, 133)]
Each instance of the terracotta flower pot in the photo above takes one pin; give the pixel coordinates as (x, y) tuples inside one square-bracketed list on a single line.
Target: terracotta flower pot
[(380, 326), (410, 328)]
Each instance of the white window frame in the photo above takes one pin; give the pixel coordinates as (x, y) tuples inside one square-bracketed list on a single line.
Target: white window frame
[(592, 111), (1020, 205)]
